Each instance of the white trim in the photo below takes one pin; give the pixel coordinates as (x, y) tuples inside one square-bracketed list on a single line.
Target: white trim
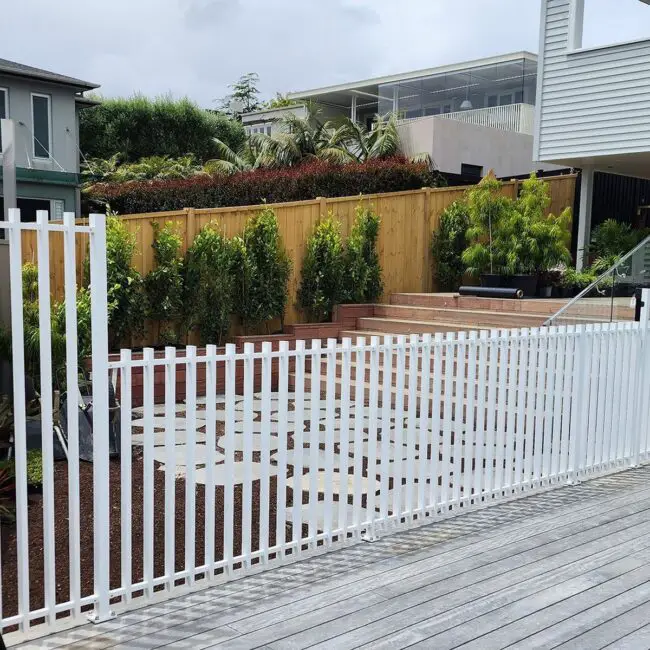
[(415, 74), (576, 24), (49, 126), (540, 81), (597, 48)]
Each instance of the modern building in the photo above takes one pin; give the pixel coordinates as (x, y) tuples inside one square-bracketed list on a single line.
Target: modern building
[(469, 117), (44, 107), (593, 105)]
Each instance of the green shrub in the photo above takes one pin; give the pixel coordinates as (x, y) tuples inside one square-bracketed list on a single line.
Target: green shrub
[(321, 283), (447, 247), (164, 284), (362, 278), (306, 181), (263, 270), (513, 237), (210, 285), (32, 331), (126, 303), (138, 127)]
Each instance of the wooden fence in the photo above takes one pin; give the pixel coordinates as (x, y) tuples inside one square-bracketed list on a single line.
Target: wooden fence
[(408, 220)]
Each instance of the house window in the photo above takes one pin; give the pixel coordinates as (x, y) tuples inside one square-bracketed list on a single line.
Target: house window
[(473, 171), (4, 108), (41, 125)]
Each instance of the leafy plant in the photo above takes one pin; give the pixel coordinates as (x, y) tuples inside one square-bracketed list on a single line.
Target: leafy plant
[(164, 284), (321, 283), (307, 181), (210, 285), (362, 277), (512, 237), (245, 91), (577, 280), (7, 495), (612, 239), (139, 127), (126, 303), (263, 271), (447, 247)]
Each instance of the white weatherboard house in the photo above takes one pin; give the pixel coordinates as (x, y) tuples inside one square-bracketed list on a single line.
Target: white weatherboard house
[(593, 101), (469, 117)]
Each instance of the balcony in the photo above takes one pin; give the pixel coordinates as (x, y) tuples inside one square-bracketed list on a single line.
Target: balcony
[(516, 118)]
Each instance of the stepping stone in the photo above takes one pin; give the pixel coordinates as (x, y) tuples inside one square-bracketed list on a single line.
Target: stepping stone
[(180, 424), (256, 442), (158, 409), (137, 439), (272, 427), (291, 415), (302, 482), (322, 436), (392, 450), (180, 454), (219, 472), (274, 405), (319, 507), (306, 459)]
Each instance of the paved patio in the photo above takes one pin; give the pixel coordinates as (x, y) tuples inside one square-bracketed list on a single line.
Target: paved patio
[(565, 568)]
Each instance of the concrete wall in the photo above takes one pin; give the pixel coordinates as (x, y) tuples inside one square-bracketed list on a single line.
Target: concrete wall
[(452, 143), (63, 126)]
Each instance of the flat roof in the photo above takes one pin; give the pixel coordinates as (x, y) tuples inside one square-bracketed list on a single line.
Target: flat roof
[(415, 74), (21, 70)]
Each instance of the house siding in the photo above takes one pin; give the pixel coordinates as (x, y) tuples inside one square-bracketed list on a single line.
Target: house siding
[(592, 102)]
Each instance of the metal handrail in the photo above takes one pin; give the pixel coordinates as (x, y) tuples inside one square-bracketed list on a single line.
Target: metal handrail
[(597, 281)]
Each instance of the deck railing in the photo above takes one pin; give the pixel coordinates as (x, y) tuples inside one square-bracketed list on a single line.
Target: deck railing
[(519, 118)]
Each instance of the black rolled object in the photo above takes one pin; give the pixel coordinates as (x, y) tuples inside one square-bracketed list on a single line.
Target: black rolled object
[(491, 292)]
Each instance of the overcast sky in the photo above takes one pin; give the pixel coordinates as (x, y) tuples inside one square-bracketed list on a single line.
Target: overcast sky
[(197, 47)]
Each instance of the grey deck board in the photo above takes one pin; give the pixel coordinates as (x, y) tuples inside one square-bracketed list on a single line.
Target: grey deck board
[(567, 566)]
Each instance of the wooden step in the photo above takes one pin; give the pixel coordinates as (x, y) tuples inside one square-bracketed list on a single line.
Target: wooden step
[(400, 326), (479, 319)]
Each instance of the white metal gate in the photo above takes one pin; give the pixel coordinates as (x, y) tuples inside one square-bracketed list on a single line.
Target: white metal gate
[(70, 608)]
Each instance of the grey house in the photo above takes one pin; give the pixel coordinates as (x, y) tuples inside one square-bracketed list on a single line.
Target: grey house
[(45, 108)]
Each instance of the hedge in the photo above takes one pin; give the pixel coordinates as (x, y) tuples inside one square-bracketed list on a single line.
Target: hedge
[(308, 181)]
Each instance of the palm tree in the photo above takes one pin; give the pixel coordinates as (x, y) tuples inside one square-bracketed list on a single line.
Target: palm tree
[(298, 139)]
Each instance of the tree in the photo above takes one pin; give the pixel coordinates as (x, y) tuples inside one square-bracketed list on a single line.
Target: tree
[(139, 127), (280, 101), (245, 91)]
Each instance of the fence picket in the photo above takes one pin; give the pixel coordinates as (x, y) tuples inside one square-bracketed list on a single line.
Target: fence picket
[(481, 387), (170, 466), (459, 419), (265, 453), (502, 391), (539, 408), (399, 428), (47, 422), (126, 460), (470, 420), (72, 406), (228, 446), (424, 435), (298, 448), (210, 456), (359, 402), (344, 444), (386, 410), (247, 459), (329, 440), (283, 407), (490, 436), (411, 423), (314, 440), (190, 477), (147, 469)]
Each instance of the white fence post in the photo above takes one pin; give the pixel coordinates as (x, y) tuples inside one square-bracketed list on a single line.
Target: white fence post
[(20, 426), (640, 422), (101, 489)]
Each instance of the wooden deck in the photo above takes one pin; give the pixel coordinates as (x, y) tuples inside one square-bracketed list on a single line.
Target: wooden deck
[(565, 568)]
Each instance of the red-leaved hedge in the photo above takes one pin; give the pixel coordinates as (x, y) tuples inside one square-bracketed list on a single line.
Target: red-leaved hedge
[(307, 181)]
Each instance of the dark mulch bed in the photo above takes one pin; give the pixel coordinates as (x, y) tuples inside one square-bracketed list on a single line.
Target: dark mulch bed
[(35, 527)]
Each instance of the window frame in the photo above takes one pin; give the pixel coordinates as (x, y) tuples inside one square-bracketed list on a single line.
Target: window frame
[(49, 126), (6, 107)]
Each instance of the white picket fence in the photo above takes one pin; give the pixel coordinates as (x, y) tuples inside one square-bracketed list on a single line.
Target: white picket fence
[(374, 436)]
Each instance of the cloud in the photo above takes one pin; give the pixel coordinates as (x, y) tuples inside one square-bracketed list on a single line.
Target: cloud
[(197, 47)]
